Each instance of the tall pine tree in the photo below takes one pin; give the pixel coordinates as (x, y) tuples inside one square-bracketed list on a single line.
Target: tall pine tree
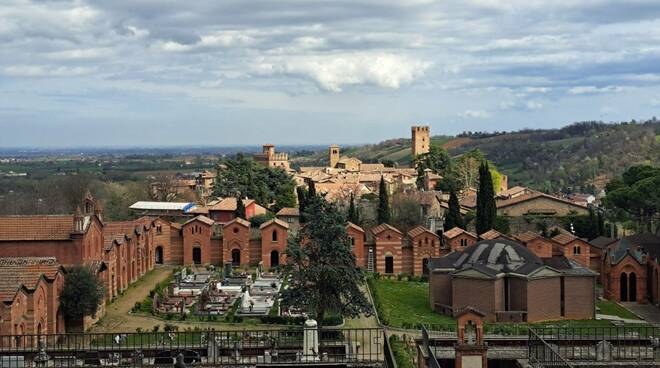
[(453, 218), (486, 209), (384, 215)]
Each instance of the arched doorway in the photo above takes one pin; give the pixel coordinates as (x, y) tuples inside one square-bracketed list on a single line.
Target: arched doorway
[(389, 264), (197, 255), (632, 287), (159, 255), (623, 285), (425, 266), (274, 259), (236, 257)]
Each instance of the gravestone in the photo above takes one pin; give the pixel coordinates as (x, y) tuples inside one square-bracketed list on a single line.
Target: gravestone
[(603, 351)]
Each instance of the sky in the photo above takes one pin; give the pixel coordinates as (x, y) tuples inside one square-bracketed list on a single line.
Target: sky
[(234, 72)]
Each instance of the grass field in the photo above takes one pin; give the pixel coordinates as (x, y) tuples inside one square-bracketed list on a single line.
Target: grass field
[(614, 309), (404, 304)]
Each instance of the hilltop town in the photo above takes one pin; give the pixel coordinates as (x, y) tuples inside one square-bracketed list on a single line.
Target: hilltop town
[(223, 256)]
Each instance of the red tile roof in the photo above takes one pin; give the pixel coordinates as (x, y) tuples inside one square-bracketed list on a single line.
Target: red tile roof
[(274, 221), (564, 238), (27, 228), (289, 211), (356, 227), (527, 236), (24, 272), (491, 234), (382, 227), (419, 230), (452, 233)]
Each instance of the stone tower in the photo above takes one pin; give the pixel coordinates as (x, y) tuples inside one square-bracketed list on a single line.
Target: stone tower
[(333, 155), (421, 140)]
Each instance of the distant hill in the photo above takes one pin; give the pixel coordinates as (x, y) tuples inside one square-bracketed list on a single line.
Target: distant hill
[(575, 157)]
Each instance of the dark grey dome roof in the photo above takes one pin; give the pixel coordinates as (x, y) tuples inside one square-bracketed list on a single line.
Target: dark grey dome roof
[(499, 255)]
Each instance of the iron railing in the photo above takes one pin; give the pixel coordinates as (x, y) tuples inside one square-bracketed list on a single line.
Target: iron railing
[(541, 354), (602, 344), (361, 346)]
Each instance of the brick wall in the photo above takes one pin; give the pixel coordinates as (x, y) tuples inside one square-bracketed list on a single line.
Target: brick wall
[(274, 238), (388, 242), (424, 246), (440, 289), (484, 295), (543, 299), (579, 297)]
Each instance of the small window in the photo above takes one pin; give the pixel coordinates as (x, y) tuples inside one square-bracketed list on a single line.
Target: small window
[(576, 250), (352, 240), (235, 230), (274, 235)]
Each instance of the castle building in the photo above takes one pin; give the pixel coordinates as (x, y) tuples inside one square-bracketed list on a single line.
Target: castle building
[(269, 158), (421, 140)]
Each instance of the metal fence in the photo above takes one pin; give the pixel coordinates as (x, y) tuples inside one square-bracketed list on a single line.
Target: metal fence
[(199, 348), (599, 344), (541, 354)]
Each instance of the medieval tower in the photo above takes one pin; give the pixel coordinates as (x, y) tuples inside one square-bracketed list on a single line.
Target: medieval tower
[(333, 155), (421, 140)]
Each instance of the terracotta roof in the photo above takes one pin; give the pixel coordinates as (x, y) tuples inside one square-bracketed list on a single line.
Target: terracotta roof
[(527, 236), (564, 239), (491, 234), (512, 192), (239, 220), (118, 231), (371, 167), (26, 228), (452, 233), (276, 221), (602, 242), (202, 219), (356, 227), (501, 203), (419, 230), (289, 211), (382, 227), (24, 272), (228, 204)]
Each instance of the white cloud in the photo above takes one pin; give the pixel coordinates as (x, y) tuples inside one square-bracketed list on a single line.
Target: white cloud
[(78, 54), (474, 114), (333, 72), (46, 71), (584, 90), (655, 102), (534, 105)]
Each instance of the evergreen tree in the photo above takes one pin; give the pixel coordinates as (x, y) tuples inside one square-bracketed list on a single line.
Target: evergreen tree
[(353, 213), (322, 274), (82, 293), (302, 202), (453, 218), (486, 208), (311, 189), (240, 208), (384, 214)]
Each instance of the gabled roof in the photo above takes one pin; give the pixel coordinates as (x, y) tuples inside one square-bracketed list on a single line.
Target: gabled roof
[(492, 234), (636, 245), (527, 236), (200, 218), (25, 272), (419, 230), (228, 204), (274, 221), (382, 227), (288, 211), (502, 203), (564, 239), (34, 228), (356, 227), (240, 221), (602, 242), (452, 233)]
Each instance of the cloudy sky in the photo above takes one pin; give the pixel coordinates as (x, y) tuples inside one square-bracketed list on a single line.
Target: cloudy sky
[(150, 73)]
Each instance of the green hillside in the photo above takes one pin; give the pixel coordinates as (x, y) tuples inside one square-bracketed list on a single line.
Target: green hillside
[(575, 157)]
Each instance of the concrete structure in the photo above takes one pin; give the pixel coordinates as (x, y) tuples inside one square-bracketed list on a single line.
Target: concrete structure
[(421, 140), (508, 283)]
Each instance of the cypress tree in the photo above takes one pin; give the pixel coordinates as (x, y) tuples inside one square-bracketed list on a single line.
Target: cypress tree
[(353, 214), (311, 191), (383, 203), (302, 202), (240, 208), (453, 218), (486, 209)]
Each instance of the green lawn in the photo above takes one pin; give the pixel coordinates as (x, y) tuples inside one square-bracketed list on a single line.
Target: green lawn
[(403, 353), (614, 309), (404, 304)]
